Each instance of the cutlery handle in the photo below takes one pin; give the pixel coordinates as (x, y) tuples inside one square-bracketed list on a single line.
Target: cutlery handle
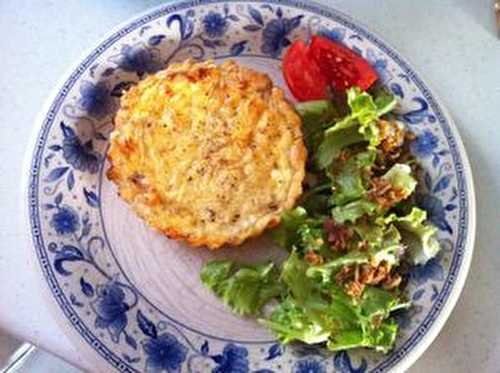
[(497, 15)]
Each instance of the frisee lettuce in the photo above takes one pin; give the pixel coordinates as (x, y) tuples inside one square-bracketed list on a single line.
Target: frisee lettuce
[(400, 177), (360, 125), (246, 289), (419, 236)]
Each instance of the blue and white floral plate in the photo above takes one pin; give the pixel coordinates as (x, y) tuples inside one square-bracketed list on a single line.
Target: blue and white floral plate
[(133, 297)]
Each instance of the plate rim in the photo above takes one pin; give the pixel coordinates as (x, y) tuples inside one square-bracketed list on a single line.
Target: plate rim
[(409, 357)]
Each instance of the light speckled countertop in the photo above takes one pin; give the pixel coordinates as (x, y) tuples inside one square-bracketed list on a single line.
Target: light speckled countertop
[(452, 43)]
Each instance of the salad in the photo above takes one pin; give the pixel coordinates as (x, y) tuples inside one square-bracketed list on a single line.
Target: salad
[(356, 227)]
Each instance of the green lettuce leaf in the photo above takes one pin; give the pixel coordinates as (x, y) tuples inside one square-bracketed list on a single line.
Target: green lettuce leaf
[(316, 117), (348, 179), (360, 125), (312, 237), (215, 273), (298, 230), (334, 142), (293, 275), (373, 326), (327, 271), (384, 241), (380, 339), (384, 101), (339, 320), (245, 290), (353, 211), (390, 248), (299, 316), (370, 231), (291, 323), (316, 202), (286, 233), (316, 112), (350, 186), (418, 235), (400, 176), (376, 302)]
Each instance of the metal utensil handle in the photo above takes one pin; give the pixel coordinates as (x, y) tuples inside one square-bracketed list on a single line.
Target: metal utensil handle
[(497, 15)]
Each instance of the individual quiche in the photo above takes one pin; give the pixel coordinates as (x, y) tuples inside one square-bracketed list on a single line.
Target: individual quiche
[(208, 154)]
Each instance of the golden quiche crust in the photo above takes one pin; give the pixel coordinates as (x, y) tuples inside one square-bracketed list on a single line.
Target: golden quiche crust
[(208, 154)]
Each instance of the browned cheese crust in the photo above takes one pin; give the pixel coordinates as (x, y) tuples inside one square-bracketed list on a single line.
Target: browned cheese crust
[(208, 154)]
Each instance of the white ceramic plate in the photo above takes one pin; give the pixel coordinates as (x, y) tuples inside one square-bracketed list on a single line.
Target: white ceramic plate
[(134, 296)]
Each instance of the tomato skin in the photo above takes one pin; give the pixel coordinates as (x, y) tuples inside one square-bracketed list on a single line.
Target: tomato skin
[(341, 66), (303, 76)]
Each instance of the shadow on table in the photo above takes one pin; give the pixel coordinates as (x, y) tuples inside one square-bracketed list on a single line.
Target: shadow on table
[(8, 345), (481, 12)]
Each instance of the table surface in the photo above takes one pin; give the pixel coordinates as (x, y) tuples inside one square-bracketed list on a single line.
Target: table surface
[(452, 43)]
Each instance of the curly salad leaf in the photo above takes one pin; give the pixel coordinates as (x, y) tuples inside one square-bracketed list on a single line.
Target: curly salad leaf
[(317, 312), (420, 236), (359, 126), (354, 226), (246, 289)]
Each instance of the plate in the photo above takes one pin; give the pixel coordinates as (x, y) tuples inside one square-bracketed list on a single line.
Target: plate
[(133, 297)]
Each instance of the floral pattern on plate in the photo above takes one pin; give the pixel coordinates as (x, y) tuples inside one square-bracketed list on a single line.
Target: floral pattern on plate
[(111, 313)]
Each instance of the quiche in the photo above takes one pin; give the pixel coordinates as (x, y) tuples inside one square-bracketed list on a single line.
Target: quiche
[(210, 154)]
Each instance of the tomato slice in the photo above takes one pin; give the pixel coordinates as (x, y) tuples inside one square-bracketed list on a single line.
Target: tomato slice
[(303, 76), (342, 67)]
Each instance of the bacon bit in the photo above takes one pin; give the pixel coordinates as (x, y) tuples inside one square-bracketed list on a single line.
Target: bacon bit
[(343, 275), (366, 274), (344, 155), (338, 235), (392, 134), (313, 259), (392, 282), (384, 194), (389, 154), (377, 320), (374, 275), (354, 289)]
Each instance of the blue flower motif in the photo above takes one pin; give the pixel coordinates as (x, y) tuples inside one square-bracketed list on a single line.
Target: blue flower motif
[(425, 144), (405, 318), (275, 34), (215, 25), (95, 99), (138, 58), (343, 364), (65, 221), (436, 212), (335, 34), (234, 359), (81, 156), (308, 366), (379, 64), (420, 114), (111, 309), (432, 270), (164, 353)]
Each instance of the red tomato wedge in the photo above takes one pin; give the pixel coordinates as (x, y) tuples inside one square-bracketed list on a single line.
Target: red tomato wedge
[(310, 70), (302, 75), (342, 67)]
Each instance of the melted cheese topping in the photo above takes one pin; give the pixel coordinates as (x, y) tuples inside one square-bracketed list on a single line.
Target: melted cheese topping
[(209, 154)]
